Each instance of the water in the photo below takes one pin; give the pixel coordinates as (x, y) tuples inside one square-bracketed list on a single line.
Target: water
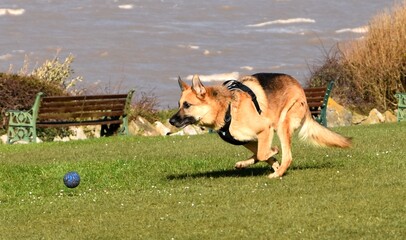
[(147, 44)]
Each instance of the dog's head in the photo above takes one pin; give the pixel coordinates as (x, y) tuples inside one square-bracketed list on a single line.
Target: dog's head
[(193, 104)]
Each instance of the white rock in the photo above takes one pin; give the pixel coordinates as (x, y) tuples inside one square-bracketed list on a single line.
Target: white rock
[(4, 138), (78, 133), (161, 128)]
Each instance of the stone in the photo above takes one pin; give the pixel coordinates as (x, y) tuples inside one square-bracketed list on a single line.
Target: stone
[(358, 118), (178, 133), (78, 133), (140, 126), (172, 128), (337, 115), (59, 139), (92, 131), (25, 142), (189, 130), (162, 129), (374, 117), (389, 116), (4, 138)]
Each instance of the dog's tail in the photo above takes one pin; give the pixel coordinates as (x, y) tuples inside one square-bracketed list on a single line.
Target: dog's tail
[(320, 135)]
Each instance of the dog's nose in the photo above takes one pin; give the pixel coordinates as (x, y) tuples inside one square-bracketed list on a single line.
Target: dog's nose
[(172, 121)]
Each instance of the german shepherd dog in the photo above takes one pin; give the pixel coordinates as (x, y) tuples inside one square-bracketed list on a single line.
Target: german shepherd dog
[(248, 112)]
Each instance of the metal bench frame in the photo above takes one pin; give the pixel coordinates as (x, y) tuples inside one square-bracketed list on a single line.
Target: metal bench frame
[(401, 115)]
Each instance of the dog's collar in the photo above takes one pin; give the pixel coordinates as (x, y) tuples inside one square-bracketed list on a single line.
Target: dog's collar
[(224, 132)]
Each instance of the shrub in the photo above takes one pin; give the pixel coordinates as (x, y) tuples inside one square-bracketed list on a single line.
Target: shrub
[(372, 69), (57, 73), (18, 92), (146, 105), (330, 68)]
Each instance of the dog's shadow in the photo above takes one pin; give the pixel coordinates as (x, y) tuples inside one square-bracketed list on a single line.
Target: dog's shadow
[(247, 172)]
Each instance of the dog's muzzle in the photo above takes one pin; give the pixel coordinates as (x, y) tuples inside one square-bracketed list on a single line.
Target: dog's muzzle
[(180, 121)]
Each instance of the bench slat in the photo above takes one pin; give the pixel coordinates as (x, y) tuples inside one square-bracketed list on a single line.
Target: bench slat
[(81, 103), (315, 104), (83, 123), (315, 99), (315, 94), (81, 115), (88, 97), (76, 109), (315, 89)]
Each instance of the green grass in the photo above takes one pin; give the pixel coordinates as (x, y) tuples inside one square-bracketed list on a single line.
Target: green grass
[(187, 188)]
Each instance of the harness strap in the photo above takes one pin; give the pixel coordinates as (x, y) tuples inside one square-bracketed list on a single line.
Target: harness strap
[(236, 85), (224, 132)]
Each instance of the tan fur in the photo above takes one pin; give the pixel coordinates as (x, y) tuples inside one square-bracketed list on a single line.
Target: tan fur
[(321, 136), (284, 109)]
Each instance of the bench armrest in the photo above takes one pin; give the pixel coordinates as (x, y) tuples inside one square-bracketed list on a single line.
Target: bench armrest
[(24, 117)]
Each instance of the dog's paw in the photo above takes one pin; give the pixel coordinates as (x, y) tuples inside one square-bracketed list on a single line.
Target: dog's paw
[(240, 165), (244, 164), (274, 175), (274, 164)]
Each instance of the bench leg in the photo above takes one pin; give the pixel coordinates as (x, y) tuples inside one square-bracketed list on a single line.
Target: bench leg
[(401, 116), (21, 133), (21, 126), (124, 127)]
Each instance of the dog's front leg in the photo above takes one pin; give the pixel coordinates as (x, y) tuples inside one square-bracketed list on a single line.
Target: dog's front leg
[(264, 151), (253, 147)]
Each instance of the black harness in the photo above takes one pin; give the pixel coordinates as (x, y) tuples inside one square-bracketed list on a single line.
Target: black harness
[(224, 132)]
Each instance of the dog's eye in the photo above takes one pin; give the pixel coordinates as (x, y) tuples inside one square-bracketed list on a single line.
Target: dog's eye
[(186, 105)]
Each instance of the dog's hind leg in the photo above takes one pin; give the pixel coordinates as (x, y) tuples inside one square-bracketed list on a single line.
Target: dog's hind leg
[(285, 138), (287, 126)]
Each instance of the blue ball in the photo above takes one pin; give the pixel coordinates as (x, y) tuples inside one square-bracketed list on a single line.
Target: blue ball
[(71, 179)]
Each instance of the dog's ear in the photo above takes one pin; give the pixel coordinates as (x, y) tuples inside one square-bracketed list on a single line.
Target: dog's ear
[(183, 86), (198, 87)]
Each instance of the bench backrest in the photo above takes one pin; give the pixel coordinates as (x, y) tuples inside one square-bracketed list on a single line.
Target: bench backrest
[(315, 96), (83, 107), (317, 99)]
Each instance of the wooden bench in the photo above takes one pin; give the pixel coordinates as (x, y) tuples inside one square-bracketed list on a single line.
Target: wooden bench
[(66, 111), (317, 99), (401, 115)]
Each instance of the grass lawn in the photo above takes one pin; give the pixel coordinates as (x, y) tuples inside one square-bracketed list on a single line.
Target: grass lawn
[(187, 188)]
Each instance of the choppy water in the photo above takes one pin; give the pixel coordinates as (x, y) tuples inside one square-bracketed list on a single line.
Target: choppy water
[(147, 44)]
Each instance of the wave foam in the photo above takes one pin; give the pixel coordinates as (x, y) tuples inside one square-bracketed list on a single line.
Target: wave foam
[(126, 6), (216, 77), (249, 68), (13, 12), (363, 29), (6, 56), (283, 21)]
